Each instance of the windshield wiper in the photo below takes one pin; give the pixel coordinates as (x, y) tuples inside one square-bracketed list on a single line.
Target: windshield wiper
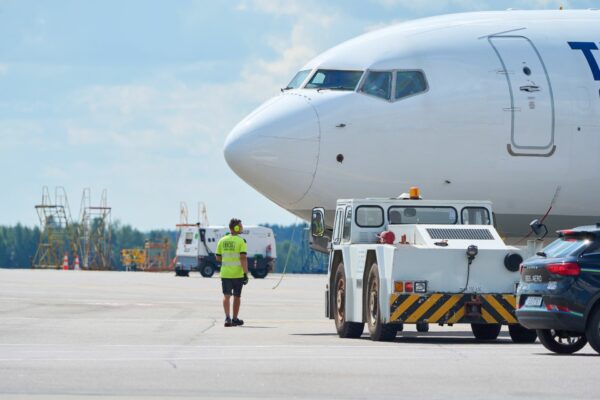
[(541, 254), (286, 88), (334, 88)]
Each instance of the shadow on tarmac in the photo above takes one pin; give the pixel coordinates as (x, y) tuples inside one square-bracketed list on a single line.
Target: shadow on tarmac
[(567, 355), (451, 338)]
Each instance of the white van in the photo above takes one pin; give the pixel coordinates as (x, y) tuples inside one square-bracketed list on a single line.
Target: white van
[(197, 245)]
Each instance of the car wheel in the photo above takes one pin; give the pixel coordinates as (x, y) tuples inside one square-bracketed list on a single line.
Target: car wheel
[(592, 331), (207, 271), (519, 334), (560, 341), (344, 328), (486, 331), (379, 331)]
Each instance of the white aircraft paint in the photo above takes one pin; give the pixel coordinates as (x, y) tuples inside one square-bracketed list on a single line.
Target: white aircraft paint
[(511, 114)]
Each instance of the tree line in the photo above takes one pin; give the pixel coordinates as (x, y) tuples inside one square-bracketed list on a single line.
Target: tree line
[(18, 245)]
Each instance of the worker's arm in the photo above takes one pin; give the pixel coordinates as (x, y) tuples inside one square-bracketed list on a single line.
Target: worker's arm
[(218, 256), (244, 262)]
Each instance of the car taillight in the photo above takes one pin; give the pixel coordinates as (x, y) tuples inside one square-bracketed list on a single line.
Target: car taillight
[(564, 269), (408, 287)]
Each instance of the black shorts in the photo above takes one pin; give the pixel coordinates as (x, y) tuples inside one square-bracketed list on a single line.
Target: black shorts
[(232, 285)]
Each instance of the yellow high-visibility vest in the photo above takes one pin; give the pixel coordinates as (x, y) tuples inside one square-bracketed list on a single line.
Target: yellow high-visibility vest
[(229, 248)]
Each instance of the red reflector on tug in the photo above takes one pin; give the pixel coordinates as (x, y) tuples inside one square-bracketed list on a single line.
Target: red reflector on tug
[(387, 237)]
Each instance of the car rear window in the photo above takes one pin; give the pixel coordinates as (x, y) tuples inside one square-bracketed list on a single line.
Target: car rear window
[(567, 246)]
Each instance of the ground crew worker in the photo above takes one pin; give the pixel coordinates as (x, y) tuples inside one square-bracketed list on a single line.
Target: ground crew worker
[(231, 253)]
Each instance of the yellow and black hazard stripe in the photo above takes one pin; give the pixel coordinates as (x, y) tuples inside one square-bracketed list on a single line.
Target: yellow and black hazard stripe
[(451, 308)]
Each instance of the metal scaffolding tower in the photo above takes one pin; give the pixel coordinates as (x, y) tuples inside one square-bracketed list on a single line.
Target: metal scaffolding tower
[(58, 233), (202, 214), (95, 232)]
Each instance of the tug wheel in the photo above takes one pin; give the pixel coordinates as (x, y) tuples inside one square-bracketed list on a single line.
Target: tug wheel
[(486, 331), (520, 334), (345, 329), (377, 329)]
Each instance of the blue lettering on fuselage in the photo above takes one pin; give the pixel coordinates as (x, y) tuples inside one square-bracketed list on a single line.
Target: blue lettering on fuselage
[(586, 48)]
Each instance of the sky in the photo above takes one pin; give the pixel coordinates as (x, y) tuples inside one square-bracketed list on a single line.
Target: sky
[(138, 96)]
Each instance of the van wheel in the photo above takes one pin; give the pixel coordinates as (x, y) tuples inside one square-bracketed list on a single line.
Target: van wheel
[(207, 271), (344, 328), (486, 331), (259, 273), (181, 272), (560, 341), (519, 334), (379, 331), (592, 331)]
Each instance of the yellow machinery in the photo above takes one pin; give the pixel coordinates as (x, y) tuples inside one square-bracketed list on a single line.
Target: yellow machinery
[(133, 258)]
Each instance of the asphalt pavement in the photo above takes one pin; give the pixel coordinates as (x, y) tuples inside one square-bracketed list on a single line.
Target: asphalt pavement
[(81, 334)]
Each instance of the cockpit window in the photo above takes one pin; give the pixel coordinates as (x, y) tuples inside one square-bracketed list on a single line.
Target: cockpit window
[(334, 80), (378, 84), (409, 83), (297, 80)]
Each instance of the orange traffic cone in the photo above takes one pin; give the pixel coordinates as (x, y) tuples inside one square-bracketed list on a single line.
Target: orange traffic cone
[(76, 267), (66, 262)]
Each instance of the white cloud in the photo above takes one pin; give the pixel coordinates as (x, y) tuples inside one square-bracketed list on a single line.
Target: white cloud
[(3, 69), (127, 99), (21, 133)]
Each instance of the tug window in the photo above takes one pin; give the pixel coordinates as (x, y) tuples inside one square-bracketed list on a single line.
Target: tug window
[(334, 80), (409, 83), (378, 84), (188, 237), (369, 216), (347, 224), (475, 216), (423, 215)]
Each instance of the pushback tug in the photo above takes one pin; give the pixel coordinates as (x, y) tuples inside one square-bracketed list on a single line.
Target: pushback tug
[(396, 261)]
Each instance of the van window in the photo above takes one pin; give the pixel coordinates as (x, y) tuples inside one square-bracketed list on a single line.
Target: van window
[(379, 84), (369, 216), (475, 216), (347, 224), (409, 83)]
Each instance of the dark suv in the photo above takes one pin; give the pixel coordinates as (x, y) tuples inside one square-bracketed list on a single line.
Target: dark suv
[(559, 291)]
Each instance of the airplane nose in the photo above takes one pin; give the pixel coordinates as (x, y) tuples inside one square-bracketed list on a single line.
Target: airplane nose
[(275, 149)]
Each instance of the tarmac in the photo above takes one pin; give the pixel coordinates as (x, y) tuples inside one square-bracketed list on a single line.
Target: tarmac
[(128, 335)]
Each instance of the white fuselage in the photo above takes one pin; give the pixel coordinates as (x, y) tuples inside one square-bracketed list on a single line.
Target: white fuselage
[(511, 114)]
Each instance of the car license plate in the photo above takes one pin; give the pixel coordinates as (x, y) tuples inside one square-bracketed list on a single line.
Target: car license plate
[(533, 301)]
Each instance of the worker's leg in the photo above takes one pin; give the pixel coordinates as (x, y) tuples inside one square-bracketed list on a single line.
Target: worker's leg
[(226, 305), (236, 306)]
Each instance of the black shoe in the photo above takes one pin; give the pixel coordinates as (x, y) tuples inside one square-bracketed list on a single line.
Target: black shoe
[(228, 322), (237, 322)]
